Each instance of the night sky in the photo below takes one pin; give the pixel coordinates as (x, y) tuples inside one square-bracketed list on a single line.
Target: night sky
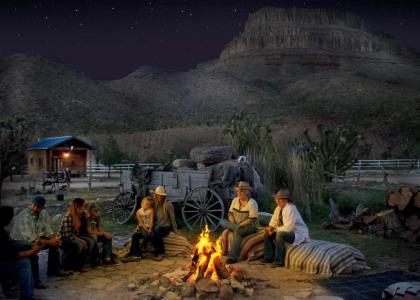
[(110, 39)]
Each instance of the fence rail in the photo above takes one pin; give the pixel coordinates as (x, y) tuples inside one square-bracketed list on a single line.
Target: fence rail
[(100, 168), (388, 164)]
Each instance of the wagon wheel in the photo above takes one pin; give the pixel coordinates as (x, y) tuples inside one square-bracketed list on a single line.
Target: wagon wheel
[(203, 206), (123, 207)]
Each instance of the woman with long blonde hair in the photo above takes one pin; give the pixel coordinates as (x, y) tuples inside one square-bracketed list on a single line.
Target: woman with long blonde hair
[(75, 248), (165, 221)]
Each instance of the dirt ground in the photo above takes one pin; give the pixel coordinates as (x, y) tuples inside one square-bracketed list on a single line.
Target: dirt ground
[(111, 282)]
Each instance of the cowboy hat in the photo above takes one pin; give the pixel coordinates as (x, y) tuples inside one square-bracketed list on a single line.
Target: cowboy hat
[(160, 190), (242, 186), (282, 194)]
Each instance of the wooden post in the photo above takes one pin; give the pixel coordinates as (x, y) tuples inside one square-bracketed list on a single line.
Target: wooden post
[(90, 171)]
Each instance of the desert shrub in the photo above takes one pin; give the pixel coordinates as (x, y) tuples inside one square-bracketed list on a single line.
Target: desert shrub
[(245, 132), (334, 150)]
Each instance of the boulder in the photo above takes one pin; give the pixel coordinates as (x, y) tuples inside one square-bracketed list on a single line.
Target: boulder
[(211, 155), (187, 290), (184, 163), (165, 282), (206, 285), (226, 292), (171, 296)]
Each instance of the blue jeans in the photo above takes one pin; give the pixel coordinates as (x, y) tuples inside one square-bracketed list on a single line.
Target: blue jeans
[(158, 234), (107, 245), (74, 255), (238, 234), (92, 250), (274, 245), (135, 241), (21, 267)]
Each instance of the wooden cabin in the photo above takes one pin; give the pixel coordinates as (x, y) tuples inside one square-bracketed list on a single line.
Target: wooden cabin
[(53, 155)]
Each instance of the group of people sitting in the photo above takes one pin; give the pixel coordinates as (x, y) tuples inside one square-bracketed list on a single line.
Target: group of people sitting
[(31, 232), (81, 231), (286, 225), (156, 219)]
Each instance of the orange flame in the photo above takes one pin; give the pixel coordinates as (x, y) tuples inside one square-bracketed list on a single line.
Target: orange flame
[(205, 248)]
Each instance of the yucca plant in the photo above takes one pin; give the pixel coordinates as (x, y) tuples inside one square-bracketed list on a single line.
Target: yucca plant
[(334, 149)]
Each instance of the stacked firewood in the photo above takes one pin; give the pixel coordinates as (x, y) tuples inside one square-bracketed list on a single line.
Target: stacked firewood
[(401, 218)]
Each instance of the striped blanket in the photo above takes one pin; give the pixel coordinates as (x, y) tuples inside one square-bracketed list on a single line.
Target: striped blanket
[(314, 257), (323, 257), (175, 245)]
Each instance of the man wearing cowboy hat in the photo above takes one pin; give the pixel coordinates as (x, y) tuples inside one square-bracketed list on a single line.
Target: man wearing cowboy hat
[(243, 219), (286, 225)]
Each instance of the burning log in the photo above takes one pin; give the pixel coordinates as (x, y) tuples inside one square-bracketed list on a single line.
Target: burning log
[(220, 268), (207, 260)]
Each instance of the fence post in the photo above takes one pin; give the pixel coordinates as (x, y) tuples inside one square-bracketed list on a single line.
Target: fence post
[(398, 163)]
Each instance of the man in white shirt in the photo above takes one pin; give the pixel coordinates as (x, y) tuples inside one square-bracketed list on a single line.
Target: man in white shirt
[(243, 219), (286, 225)]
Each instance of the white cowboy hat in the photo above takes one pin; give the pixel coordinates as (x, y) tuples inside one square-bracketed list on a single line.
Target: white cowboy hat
[(160, 190)]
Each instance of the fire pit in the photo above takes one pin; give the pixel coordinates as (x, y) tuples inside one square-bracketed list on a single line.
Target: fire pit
[(205, 277), (207, 260)]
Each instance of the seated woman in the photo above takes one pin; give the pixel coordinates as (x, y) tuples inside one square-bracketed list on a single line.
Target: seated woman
[(143, 230), (243, 219), (286, 225), (76, 249), (98, 234), (164, 221)]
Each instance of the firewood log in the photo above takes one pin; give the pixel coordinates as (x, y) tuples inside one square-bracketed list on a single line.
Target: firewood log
[(416, 200), (408, 236), (412, 222), (399, 199), (220, 268), (366, 220), (203, 267), (389, 218)]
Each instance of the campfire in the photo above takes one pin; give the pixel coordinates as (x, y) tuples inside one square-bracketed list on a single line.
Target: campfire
[(205, 277), (207, 260)]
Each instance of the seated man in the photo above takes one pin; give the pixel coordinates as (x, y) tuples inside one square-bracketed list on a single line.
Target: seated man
[(13, 259), (32, 225), (243, 219), (99, 235), (286, 225)]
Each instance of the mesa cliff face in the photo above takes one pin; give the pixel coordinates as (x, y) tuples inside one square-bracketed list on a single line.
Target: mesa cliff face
[(311, 30)]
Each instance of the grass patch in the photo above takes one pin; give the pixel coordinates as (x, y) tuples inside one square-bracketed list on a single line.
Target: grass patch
[(381, 254), (347, 198)]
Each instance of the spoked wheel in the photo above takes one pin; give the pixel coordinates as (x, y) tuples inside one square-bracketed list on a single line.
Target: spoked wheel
[(123, 207), (203, 206)]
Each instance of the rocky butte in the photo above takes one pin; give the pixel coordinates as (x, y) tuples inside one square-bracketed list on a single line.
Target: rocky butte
[(288, 65)]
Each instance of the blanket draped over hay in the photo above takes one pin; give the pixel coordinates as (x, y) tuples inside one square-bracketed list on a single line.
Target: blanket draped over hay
[(314, 257), (175, 245)]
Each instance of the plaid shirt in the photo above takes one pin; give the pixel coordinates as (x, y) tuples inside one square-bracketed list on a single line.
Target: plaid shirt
[(28, 227), (67, 230)]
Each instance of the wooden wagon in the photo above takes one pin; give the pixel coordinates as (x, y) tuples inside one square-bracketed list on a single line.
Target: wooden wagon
[(202, 204)]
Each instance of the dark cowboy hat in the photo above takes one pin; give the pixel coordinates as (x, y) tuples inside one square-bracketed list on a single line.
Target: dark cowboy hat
[(243, 186), (39, 201)]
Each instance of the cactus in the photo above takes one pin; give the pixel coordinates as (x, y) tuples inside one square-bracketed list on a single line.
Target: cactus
[(334, 150), (245, 133)]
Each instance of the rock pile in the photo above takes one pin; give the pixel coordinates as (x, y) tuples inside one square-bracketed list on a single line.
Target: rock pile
[(170, 286)]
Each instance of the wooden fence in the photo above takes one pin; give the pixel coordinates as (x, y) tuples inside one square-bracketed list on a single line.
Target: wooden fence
[(388, 164), (117, 168)]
